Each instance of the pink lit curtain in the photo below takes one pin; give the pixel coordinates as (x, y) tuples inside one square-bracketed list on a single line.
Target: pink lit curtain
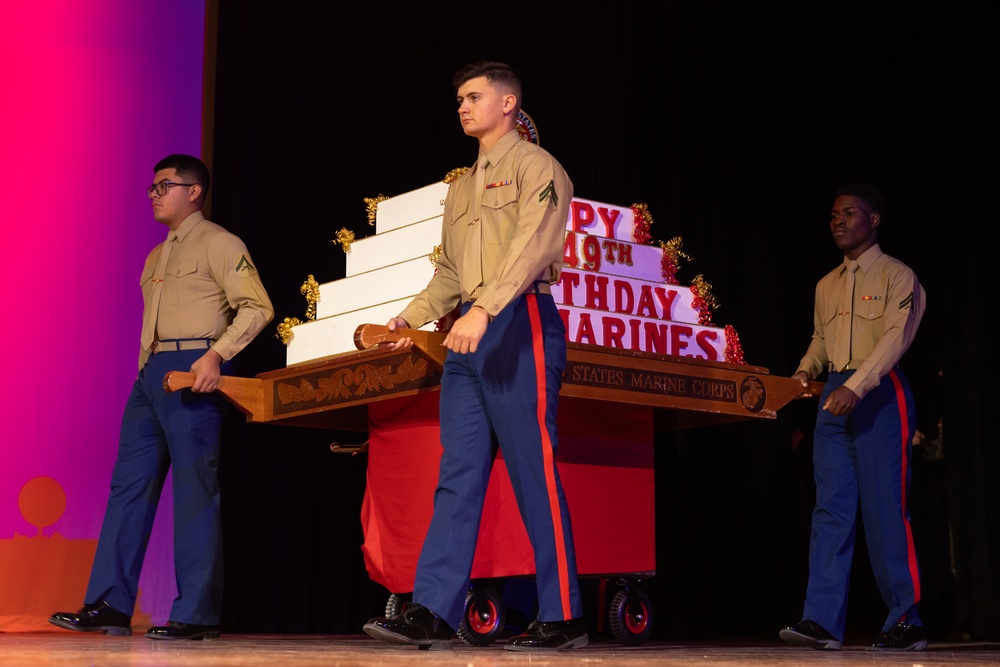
[(92, 94)]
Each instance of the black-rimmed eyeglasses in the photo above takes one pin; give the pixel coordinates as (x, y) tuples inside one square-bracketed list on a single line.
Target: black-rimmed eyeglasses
[(163, 187)]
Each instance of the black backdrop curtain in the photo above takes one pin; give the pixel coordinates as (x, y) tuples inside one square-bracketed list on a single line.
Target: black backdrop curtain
[(734, 122)]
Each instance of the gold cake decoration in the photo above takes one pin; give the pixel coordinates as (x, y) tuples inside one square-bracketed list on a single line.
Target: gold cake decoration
[(345, 237), (285, 330), (371, 203)]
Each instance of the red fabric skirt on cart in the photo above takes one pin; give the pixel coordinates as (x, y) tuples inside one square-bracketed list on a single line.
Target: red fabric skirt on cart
[(605, 461)]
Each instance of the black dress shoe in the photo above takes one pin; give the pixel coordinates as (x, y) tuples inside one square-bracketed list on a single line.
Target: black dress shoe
[(175, 630), (810, 633), (97, 617), (417, 625), (902, 637), (553, 636)]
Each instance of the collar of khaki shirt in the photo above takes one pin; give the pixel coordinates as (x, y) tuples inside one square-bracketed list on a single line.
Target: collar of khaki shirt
[(188, 224), (504, 144), (867, 258)]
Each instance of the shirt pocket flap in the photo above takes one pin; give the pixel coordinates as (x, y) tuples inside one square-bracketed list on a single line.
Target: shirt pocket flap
[(184, 268), (869, 308), (499, 197)]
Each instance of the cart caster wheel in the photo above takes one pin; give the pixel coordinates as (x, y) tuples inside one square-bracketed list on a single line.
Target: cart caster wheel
[(631, 622), (394, 605), (484, 617)]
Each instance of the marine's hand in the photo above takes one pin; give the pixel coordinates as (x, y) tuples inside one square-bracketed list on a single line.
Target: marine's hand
[(802, 377), (840, 401), (402, 343), (206, 371), (467, 331)]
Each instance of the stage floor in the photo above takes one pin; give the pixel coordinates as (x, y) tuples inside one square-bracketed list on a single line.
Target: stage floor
[(67, 649)]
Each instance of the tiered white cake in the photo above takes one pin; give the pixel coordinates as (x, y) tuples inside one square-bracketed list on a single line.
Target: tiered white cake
[(384, 272), (612, 291)]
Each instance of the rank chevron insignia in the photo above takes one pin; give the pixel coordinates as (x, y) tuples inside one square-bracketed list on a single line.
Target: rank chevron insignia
[(244, 265), (906, 302), (549, 193)]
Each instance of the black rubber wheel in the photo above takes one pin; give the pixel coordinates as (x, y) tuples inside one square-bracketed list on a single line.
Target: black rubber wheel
[(394, 605), (484, 617), (631, 624)]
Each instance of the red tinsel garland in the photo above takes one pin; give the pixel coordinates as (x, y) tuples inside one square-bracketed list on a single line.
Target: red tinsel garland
[(699, 303), (734, 351), (642, 222), (668, 269)]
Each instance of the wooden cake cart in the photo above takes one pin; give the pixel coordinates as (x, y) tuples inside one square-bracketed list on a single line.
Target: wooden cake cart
[(612, 402)]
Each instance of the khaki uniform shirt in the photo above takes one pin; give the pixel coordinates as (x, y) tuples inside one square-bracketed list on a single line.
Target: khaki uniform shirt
[(525, 205), (210, 289), (888, 306)]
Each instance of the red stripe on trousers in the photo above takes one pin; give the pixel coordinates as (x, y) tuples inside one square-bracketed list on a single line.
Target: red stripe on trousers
[(538, 350), (911, 550)]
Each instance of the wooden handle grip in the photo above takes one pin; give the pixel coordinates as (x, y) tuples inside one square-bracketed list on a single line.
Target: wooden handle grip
[(428, 343), (245, 393)]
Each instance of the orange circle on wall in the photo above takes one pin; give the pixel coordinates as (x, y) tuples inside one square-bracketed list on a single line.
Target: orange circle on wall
[(42, 501)]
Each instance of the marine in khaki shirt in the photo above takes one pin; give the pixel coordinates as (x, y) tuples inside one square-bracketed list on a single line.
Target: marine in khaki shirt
[(210, 289), (501, 246), (203, 303), (866, 315), (887, 309)]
